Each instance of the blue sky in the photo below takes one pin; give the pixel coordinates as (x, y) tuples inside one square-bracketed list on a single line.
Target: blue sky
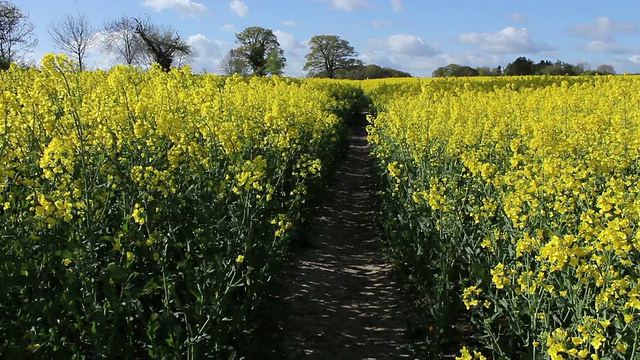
[(416, 36)]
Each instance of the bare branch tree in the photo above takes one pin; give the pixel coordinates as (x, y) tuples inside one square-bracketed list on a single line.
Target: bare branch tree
[(181, 59), (16, 34), (234, 63), (73, 35), (120, 38)]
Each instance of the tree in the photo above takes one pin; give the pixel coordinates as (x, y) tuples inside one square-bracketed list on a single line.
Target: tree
[(554, 69), (371, 71), (234, 63), (73, 35), (16, 34), (275, 63), (377, 72), (520, 66), (362, 72), (120, 38), (577, 69), (455, 70), (605, 69), (537, 68), (164, 45), (558, 68), (488, 71), (582, 67), (329, 53), (262, 51)]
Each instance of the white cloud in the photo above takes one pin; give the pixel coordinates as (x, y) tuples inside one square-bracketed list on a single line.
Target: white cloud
[(404, 52), (207, 53), (229, 28), (203, 46), (507, 40), (349, 5), (294, 51), (96, 58), (239, 7), (397, 5), (601, 32), (470, 58), (288, 41), (423, 66), (290, 23), (377, 57), (602, 29), (519, 18), (404, 44), (354, 5), (187, 7), (605, 47), (381, 23), (99, 38), (629, 65)]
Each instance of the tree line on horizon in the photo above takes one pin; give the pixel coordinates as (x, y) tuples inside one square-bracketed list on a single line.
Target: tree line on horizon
[(523, 66), (138, 42)]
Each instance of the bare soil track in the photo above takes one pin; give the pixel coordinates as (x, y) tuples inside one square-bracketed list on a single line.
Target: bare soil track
[(338, 299)]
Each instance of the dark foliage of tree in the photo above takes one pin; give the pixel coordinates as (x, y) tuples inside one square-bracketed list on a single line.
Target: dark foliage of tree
[(163, 44), (523, 66), (362, 72), (520, 66), (373, 71), (329, 54), (261, 50), (488, 71), (455, 70)]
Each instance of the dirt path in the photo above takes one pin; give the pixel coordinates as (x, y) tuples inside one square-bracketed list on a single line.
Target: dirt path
[(339, 298)]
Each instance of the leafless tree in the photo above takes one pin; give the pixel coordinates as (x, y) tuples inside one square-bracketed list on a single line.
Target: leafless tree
[(119, 37), (16, 34), (234, 63), (73, 35)]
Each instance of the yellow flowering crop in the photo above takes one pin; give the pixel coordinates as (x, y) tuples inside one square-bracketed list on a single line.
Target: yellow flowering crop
[(525, 190), (143, 184)]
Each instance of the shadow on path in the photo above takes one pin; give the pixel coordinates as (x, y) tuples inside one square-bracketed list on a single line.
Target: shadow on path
[(338, 298)]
